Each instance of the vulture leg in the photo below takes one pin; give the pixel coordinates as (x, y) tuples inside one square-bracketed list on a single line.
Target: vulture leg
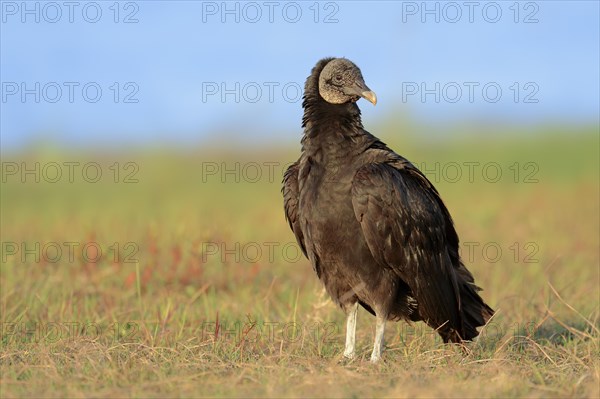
[(378, 345), (351, 331)]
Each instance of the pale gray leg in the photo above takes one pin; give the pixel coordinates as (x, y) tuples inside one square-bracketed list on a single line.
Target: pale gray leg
[(351, 331), (378, 345)]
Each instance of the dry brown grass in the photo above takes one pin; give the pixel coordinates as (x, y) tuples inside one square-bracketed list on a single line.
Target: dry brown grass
[(165, 326)]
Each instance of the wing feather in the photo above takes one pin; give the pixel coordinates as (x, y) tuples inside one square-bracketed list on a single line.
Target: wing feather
[(408, 229), (290, 203)]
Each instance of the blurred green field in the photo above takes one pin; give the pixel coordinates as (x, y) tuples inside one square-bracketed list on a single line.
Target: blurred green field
[(199, 289)]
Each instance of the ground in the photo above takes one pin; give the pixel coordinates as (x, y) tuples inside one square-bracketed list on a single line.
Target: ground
[(175, 274)]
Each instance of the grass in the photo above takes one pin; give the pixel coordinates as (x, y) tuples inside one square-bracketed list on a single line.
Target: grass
[(200, 290)]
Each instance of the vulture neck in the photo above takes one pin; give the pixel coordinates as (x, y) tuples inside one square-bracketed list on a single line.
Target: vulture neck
[(332, 132)]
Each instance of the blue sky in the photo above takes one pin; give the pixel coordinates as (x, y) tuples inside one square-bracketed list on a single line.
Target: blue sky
[(161, 75)]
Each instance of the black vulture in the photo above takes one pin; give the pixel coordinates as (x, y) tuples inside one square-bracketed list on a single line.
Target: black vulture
[(372, 225)]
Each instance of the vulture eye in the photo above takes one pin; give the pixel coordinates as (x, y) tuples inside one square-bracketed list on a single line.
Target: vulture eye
[(337, 78)]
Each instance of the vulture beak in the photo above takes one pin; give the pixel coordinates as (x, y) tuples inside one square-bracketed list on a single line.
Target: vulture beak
[(369, 96), (359, 88)]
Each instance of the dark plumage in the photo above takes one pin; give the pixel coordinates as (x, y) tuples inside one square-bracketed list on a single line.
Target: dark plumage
[(373, 227)]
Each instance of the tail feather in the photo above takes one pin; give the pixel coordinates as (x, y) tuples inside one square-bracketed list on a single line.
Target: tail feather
[(474, 311)]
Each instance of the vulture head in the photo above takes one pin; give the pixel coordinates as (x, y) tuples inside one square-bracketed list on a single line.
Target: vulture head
[(341, 82)]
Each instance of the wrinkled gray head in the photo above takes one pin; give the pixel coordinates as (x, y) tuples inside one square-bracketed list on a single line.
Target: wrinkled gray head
[(340, 82)]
